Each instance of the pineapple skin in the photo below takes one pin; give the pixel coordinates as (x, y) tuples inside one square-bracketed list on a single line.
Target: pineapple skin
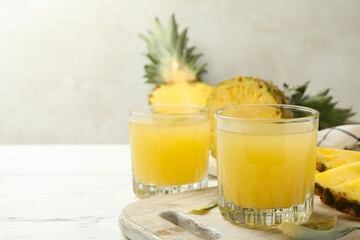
[(338, 201), (277, 93)]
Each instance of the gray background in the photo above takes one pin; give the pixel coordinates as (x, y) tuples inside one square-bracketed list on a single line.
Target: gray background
[(70, 70)]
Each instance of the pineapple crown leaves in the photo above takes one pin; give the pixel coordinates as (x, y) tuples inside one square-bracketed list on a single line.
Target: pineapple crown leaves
[(166, 46), (330, 116)]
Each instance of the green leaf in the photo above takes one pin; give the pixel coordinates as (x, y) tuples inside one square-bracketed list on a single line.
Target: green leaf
[(143, 37), (203, 208), (335, 117), (153, 58), (189, 54), (322, 224), (193, 60), (296, 94), (330, 116), (159, 29), (201, 69), (303, 233), (180, 44), (172, 31)]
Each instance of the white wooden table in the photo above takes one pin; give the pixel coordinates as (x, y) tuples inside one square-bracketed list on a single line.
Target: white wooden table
[(63, 191)]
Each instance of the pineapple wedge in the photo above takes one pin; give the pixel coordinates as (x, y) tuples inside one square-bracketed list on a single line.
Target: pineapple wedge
[(241, 90), (328, 158), (340, 188), (195, 93)]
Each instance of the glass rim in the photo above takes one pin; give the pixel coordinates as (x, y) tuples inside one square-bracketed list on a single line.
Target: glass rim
[(142, 110), (314, 113)]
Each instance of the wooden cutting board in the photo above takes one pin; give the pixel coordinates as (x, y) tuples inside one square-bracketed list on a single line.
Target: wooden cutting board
[(163, 218)]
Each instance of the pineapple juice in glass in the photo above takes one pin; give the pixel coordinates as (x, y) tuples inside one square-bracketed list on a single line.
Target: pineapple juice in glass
[(266, 163), (169, 149)]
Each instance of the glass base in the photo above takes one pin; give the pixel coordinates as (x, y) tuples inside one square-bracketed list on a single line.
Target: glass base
[(266, 218), (144, 191)]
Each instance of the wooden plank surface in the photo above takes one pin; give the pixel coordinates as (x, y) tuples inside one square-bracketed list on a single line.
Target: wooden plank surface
[(145, 219), (63, 191)]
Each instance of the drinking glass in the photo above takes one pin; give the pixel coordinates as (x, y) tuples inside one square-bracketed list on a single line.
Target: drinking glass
[(266, 163), (169, 149)]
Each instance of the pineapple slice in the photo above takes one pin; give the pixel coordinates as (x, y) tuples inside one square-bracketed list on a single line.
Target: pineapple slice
[(340, 188), (328, 158), (195, 93), (241, 90), (339, 175)]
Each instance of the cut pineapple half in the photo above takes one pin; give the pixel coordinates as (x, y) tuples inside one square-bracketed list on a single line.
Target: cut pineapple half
[(195, 93), (328, 158), (241, 90), (340, 188)]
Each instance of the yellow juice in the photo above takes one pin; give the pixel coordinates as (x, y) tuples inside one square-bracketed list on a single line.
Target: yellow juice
[(169, 151), (268, 166)]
